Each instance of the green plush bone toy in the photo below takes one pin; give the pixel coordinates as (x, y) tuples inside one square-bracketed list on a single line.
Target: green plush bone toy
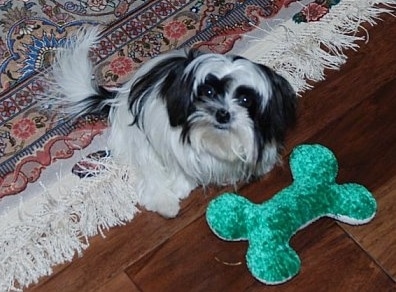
[(269, 226)]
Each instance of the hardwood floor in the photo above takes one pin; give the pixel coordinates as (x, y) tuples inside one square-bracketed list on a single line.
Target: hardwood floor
[(353, 113)]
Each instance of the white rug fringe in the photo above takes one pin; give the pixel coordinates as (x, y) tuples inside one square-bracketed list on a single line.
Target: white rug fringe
[(61, 224), (301, 52), (59, 227)]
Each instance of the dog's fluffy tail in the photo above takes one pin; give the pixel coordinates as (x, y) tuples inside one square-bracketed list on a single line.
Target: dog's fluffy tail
[(73, 90)]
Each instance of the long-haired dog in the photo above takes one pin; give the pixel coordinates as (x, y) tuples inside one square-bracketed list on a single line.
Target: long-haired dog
[(184, 119)]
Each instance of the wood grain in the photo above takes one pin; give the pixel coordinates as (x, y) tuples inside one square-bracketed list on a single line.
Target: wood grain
[(120, 282), (366, 70), (378, 238), (181, 263)]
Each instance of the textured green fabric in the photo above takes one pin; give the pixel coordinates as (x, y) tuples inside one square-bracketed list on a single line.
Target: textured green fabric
[(269, 226)]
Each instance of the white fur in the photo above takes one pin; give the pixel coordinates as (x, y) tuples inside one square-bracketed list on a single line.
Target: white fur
[(168, 169), (71, 75)]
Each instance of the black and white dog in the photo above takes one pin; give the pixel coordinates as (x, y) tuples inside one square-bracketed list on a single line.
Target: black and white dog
[(185, 118)]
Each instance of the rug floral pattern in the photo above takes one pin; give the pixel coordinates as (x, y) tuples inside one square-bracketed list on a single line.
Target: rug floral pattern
[(32, 138)]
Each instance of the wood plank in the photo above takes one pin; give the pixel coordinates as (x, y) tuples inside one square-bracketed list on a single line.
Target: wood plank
[(378, 238), (364, 140), (197, 259), (369, 68), (120, 283)]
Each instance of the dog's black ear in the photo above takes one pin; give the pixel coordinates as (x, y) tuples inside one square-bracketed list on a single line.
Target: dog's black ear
[(167, 77), (280, 111), (177, 88)]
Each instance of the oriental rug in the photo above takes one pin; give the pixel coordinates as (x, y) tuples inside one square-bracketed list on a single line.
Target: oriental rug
[(47, 211)]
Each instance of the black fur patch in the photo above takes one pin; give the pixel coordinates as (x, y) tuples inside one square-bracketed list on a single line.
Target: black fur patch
[(280, 112), (174, 89)]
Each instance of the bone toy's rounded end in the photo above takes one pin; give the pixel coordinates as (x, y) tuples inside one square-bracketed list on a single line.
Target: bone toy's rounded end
[(355, 204), (272, 262), (225, 216), (313, 164)]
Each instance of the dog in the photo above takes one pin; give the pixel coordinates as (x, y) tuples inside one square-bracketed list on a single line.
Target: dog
[(185, 119)]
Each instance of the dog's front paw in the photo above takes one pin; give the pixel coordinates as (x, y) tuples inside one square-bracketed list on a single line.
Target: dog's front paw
[(164, 205), (181, 188)]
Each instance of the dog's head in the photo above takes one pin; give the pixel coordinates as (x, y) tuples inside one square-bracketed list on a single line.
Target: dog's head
[(224, 105)]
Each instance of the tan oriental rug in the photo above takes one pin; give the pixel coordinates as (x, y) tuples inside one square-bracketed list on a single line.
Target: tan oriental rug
[(47, 212)]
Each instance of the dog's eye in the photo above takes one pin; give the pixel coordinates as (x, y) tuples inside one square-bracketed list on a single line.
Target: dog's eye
[(245, 100), (206, 91)]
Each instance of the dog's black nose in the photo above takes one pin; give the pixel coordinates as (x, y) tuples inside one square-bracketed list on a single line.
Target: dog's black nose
[(223, 116)]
